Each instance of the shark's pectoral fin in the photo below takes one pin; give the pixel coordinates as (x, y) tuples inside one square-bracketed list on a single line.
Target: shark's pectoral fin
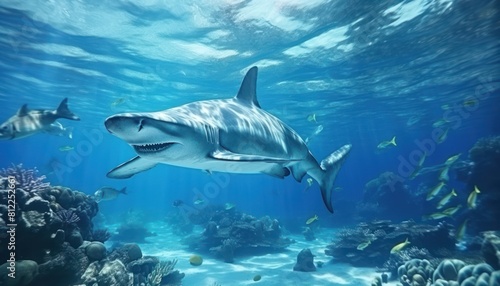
[(130, 168), (226, 155)]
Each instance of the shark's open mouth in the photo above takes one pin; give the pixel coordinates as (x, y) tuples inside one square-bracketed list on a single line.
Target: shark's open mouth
[(155, 147)]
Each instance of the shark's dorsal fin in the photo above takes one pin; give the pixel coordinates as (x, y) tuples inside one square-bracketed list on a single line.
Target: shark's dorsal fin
[(23, 110), (247, 92)]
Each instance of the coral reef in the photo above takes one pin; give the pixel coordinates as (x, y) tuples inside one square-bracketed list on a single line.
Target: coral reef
[(456, 273), (376, 239), (164, 274), (52, 223), (95, 251), (126, 266), (228, 232), (491, 248), (25, 272), (479, 274), (126, 253), (485, 161), (305, 261), (485, 154), (26, 179), (107, 273), (416, 272), (386, 197), (43, 224), (447, 270), (55, 239)]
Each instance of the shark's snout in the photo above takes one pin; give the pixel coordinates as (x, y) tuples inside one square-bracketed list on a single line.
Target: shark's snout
[(142, 132), (120, 125)]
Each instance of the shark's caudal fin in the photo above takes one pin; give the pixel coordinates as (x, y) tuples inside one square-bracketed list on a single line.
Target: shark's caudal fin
[(331, 166), (64, 112)]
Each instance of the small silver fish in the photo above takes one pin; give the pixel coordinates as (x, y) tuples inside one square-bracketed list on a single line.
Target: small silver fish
[(385, 144), (108, 193)]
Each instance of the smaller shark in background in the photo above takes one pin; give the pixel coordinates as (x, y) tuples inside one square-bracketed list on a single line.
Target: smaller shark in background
[(28, 122)]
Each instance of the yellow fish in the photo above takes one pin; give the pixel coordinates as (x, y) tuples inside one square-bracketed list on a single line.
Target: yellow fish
[(435, 216), (471, 200), (309, 181), (435, 191), (443, 175), (446, 199), (451, 211), (462, 229), (385, 144), (439, 123), (443, 136), (119, 101), (417, 169), (445, 107), (312, 118), (66, 148), (313, 219), (228, 206), (363, 245), (398, 247), (452, 159), (198, 202), (470, 102)]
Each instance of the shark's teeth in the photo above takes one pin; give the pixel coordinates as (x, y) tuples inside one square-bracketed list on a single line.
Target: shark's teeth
[(155, 147)]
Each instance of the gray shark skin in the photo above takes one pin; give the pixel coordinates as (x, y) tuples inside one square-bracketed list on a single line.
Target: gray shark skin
[(29, 122), (226, 135)]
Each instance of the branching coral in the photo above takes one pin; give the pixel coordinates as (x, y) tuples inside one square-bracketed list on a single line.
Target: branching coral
[(68, 217), (160, 273), (26, 179), (485, 149)]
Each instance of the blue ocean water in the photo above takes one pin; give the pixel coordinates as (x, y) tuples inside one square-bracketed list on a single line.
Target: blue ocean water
[(367, 72), (363, 69)]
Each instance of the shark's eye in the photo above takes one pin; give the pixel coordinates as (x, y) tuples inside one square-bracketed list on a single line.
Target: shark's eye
[(140, 125)]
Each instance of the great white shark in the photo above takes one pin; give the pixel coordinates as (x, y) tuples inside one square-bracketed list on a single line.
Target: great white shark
[(232, 135)]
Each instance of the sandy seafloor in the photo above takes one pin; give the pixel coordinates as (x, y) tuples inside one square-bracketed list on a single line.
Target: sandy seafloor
[(275, 268)]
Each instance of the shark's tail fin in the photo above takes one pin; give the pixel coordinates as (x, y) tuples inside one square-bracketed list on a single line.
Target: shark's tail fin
[(331, 166), (64, 112), (124, 191)]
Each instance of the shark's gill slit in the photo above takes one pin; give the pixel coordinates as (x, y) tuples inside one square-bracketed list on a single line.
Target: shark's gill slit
[(140, 125)]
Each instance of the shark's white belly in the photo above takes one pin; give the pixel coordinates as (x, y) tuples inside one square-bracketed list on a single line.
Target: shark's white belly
[(239, 167)]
